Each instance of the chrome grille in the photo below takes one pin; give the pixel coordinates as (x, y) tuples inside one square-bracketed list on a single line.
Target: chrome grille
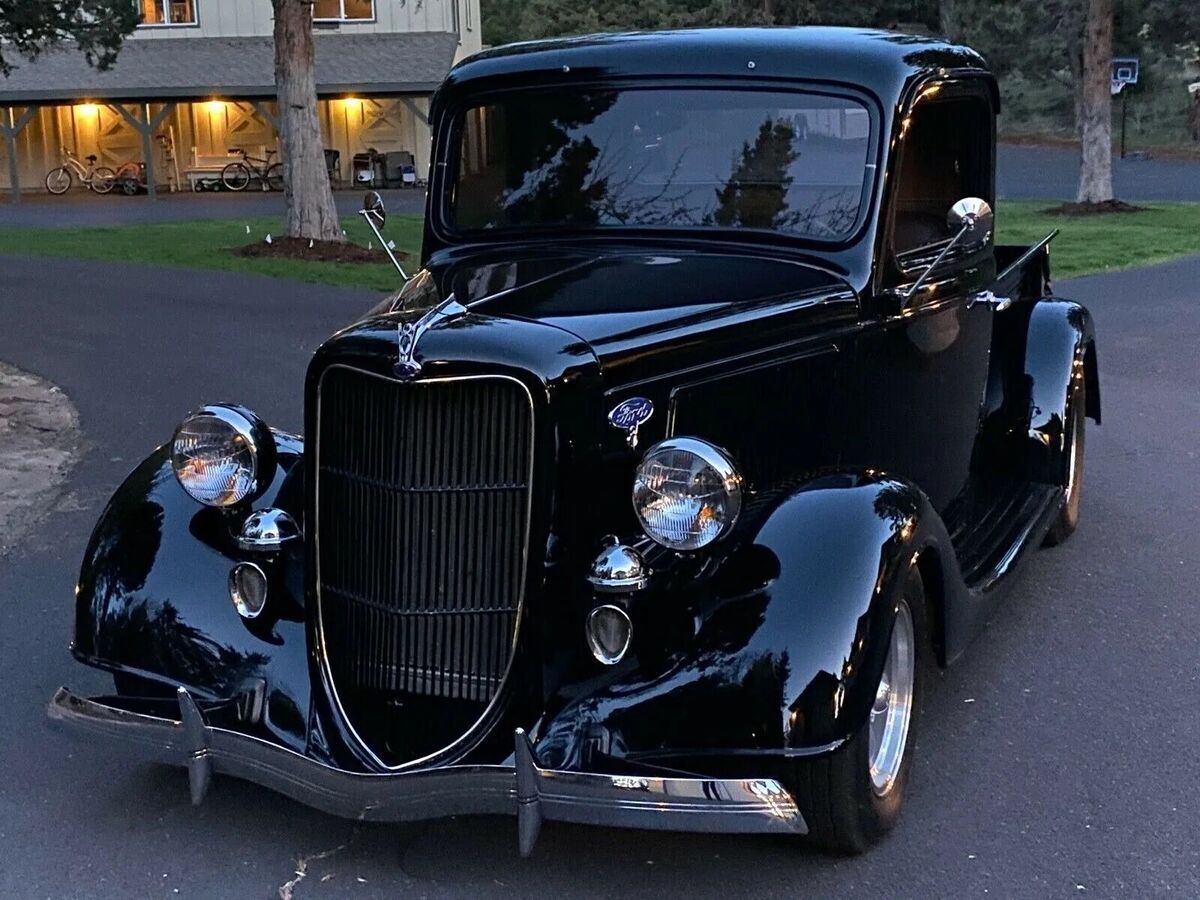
[(423, 495)]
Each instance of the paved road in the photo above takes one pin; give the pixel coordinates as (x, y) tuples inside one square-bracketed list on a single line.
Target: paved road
[(1040, 173), (83, 209), (1046, 173), (1058, 759)]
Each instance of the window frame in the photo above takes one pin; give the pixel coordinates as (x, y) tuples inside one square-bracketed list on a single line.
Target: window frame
[(446, 169), (342, 19), (901, 267), (164, 5)]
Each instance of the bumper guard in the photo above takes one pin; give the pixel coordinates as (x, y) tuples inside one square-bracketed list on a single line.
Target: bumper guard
[(533, 794)]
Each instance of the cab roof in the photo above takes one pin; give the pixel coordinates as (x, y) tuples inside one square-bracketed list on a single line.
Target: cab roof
[(880, 61)]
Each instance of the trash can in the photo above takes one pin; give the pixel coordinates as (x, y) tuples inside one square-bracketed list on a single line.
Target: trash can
[(400, 168)]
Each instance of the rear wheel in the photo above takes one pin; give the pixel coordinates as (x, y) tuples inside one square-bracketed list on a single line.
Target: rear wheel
[(1068, 515), (58, 181), (275, 177), (851, 798), (235, 177), (103, 180)]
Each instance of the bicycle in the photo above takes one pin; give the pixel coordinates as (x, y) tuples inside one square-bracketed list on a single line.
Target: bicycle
[(237, 175), (99, 179)]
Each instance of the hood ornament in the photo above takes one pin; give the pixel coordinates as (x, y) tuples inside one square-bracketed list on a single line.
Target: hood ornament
[(406, 367), (629, 415)]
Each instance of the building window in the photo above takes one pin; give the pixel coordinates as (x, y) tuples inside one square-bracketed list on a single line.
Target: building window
[(343, 10), (168, 12)]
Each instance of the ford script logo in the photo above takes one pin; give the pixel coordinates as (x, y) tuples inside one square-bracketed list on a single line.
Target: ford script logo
[(629, 415)]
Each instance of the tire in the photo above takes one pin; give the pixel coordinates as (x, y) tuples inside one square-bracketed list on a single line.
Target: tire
[(235, 177), (103, 180), (59, 181), (275, 177), (1068, 514), (129, 187), (847, 807)]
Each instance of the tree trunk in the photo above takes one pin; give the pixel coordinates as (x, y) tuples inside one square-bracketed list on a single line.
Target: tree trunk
[(310, 209), (1095, 121)]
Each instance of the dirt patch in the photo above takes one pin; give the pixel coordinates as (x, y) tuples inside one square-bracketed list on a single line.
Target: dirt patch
[(1108, 207), (39, 442), (315, 251)]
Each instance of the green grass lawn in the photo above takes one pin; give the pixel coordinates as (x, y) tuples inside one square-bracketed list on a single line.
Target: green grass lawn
[(1104, 243), (1087, 243), (207, 244)]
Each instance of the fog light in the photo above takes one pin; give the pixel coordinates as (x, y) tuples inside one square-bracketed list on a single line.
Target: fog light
[(248, 590), (608, 633)]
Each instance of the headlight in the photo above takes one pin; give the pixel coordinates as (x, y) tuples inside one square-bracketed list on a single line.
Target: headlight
[(221, 455), (686, 493)]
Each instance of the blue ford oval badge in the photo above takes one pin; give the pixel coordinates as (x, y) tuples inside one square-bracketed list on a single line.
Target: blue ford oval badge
[(629, 415)]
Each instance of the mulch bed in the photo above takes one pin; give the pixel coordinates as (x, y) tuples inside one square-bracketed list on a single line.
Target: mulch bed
[(320, 251), (1093, 209)]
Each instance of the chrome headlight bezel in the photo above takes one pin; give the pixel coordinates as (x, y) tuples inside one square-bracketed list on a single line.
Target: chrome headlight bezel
[(726, 475), (248, 436)]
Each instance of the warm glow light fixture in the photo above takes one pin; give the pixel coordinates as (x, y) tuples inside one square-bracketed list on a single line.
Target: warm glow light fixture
[(216, 106), (87, 109)]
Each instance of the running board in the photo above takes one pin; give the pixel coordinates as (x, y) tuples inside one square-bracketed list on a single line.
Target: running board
[(1000, 527)]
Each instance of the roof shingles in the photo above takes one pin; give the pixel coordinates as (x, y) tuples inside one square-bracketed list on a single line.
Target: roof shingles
[(199, 68)]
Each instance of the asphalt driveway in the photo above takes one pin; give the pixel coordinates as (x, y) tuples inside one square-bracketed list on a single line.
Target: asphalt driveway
[(1058, 759)]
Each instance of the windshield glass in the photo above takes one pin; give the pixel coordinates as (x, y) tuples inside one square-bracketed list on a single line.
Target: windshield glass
[(786, 161)]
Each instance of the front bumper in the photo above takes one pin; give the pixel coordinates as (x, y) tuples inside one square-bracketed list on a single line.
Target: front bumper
[(533, 794)]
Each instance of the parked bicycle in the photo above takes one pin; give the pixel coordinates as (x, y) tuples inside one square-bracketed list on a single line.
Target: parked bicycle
[(237, 175), (96, 178)]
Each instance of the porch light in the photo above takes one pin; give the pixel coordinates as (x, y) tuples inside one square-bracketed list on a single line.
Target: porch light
[(216, 106), (87, 109)]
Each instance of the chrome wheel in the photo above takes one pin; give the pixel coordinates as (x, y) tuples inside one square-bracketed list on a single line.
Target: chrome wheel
[(892, 710)]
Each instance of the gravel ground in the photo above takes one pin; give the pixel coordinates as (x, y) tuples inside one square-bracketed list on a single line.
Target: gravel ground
[(39, 442)]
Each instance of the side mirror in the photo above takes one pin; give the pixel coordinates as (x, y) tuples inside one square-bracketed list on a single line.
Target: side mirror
[(971, 221), (973, 217), (375, 211), (375, 215)]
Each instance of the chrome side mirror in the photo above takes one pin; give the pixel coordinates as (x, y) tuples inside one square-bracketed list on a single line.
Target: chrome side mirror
[(375, 214), (971, 221), (972, 216), (374, 209)]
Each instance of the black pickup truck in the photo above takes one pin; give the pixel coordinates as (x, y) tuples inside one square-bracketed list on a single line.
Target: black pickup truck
[(713, 420)]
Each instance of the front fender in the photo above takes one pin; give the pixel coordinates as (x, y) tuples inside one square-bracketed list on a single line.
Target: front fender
[(153, 598), (789, 649), (1060, 350)]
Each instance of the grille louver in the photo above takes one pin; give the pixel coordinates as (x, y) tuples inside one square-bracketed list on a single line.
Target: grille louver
[(423, 495)]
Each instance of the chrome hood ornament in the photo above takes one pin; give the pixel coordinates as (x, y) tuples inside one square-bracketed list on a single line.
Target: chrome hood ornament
[(409, 334)]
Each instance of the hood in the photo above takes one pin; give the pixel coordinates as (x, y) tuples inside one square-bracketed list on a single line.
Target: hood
[(636, 311)]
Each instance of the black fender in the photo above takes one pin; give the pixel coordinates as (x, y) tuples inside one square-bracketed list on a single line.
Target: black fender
[(153, 602), (788, 651), (1060, 350)]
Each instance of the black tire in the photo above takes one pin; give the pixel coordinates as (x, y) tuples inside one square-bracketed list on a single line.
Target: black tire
[(235, 177), (844, 811), (1068, 514), (275, 177), (103, 180), (59, 181)]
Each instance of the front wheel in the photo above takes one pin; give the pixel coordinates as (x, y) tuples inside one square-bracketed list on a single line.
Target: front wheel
[(235, 177), (851, 797), (275, 177), (103, 180), (58, 181)]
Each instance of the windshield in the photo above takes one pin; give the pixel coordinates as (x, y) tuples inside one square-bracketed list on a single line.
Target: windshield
[(785, 161)]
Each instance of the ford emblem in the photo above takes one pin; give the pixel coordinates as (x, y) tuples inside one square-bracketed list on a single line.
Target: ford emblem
[(629, 415)]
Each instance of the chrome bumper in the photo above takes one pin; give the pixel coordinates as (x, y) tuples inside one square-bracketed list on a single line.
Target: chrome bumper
[(533, 794)]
